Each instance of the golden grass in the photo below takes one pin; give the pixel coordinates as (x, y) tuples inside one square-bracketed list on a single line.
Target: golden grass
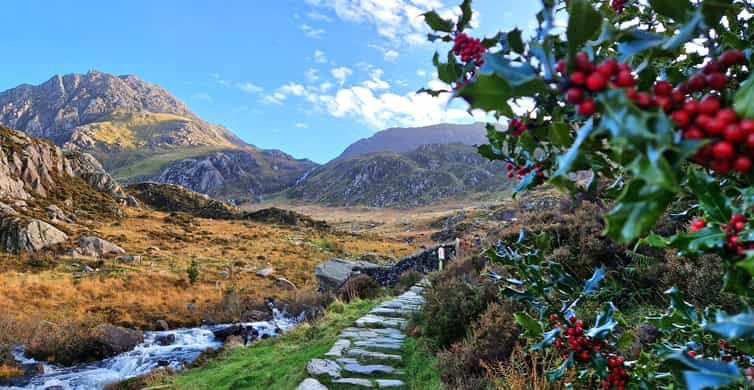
[(7, 371)]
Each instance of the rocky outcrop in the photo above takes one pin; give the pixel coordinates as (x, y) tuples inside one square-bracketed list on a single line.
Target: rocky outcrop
[(237, 175), (20, 234), (97, 247), (116, 339), (334, 273), (408, 179), (175, 198), (86, 166), (279, 216)]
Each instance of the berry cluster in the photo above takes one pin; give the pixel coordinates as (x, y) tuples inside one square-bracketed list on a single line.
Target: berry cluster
[(469, 49), (730, 353), (588, 79), (516, 127), (733, 242), (617, 5), (521, 172), (617, 377)]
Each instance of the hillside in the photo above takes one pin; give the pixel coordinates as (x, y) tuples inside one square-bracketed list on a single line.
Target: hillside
[(387, 179), (139, 131), (406, 139)]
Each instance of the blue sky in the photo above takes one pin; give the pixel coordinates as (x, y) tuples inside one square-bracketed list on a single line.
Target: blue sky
[(308, 77)]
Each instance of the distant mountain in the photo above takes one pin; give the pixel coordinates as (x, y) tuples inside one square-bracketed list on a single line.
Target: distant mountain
[(407, 139), (139, 131), (387, 179)]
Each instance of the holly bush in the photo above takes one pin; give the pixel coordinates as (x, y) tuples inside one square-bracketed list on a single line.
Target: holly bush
[(648, 105)]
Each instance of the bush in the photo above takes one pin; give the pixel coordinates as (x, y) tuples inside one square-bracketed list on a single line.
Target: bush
[(452, 305), (361, 287), (193, 272), (493, 339), (408, 279)]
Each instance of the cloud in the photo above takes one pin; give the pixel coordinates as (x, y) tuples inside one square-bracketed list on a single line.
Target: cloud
[(421, 73), (311, 75), (318, 16), (300, 125), (396, 20), (292, 89), (204, 96), (389, 55), (249, 87), (326, 86), (320, 57), (312, 32), (341, 74), (375, 82), (220, 80)]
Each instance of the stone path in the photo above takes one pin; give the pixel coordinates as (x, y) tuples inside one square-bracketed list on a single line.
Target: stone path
[(367, 355)]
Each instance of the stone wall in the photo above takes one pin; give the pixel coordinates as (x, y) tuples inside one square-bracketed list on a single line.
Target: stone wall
[(425, 262)]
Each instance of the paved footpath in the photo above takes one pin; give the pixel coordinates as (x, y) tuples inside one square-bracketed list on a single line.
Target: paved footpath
[(367, 355)]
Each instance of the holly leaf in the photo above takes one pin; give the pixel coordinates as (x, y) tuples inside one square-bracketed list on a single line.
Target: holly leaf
[(675, 9), (711, 199), (685, 34), (637, 41), (583, 24), (743, 102), (466, 13), (488, 92), (713, 10), (448, 72), (593, 282), (513, 37), (739, 326), (559, 134), (700, 374), (437, 23), (521, 76), (638, 208), (532, 328)]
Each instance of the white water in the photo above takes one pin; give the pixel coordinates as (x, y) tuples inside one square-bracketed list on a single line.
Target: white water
[(189, 343)]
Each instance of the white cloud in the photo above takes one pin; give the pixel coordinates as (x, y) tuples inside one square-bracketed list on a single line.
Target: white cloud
[(397, 20), (375, 82), (389, 55), (320, 57), (249, 87), (311, 75), (312, 32), (341, 74), (421, 73), (318, 16), (292, 89), (300, 125), (220, 80), (326, 86)]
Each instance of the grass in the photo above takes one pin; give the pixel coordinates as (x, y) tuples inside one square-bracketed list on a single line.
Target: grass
[(151, 165), (420, 366), (277, 363)]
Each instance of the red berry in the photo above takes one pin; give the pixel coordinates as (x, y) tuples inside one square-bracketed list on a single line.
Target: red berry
[(739, 225), (680, 118), (709, 105), (574, 95), (697, 83), (608, 68), (587, 107), (723, 151), (677, 96), (692, 353), (727, 115), (693, 133), (510, 175), (578, 78), (715, 126), (702, 120), (644, 100), (712, 67), (662, 88), (743, 165), (596, 81), (509, 167), (747, 126), (625, 79), (717, 80), (691, 107), (733, 133), (561, 67), (585, 355), (631, 94), (750, 140), (732, 57), (664, 102)]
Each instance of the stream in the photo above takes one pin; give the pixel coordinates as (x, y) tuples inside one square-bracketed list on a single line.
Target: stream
[(189, 343)]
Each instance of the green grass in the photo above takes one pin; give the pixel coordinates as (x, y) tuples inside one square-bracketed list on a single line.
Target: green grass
[(420, 366), (277, 363), (151, 164)]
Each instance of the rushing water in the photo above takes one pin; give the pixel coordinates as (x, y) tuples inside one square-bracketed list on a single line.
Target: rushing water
[(189, 343)]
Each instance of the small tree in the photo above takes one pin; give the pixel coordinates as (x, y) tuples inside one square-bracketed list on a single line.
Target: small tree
[(193, 272)]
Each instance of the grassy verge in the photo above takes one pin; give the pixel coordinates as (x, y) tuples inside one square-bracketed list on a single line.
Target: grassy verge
[(277, 363), (420, 366)]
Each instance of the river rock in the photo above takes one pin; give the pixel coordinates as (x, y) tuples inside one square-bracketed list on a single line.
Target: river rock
[(332, 274), (165, 339), (311, 384), (323, 367), (162, 325), (116, 339), (95, 246), (247, 333), (20, 234)]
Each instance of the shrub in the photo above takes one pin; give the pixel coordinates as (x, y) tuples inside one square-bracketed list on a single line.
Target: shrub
[(361, 287), (193, 272), (452, 305), (308, 303), (524, 370), (147, 380), (493, 339), (408, 279)]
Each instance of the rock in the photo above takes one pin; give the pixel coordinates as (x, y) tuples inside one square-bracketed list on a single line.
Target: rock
[(247, 333), (354, 382), (6, 209), (369, 369), (371, 257), (95, 246), (20, 234), (370, 355), (153, 249), (284, 284), (87, 269), (338, 347), (256, 315), (382, 383), (135, 259), (263, 273), (163, 363), (55, 213), (311, 384), (233, 342), (223, 274), (116, 339), (327, 367), (166, 339), (332, 274), (162, 325)]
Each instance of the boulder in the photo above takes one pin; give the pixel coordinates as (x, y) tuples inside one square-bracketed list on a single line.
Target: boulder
[(317, 367), (130, 259), (285, 284), (95, 246), (7, 209), (165, 339), (55, 213), (162, 325), (263, 273), (247, 333), (19, 234), (311, 384), (116, 339), (332, 274)]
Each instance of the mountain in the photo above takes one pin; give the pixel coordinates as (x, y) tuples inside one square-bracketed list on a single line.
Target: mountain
[(387, 179), (406, 139), (139, 131)]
